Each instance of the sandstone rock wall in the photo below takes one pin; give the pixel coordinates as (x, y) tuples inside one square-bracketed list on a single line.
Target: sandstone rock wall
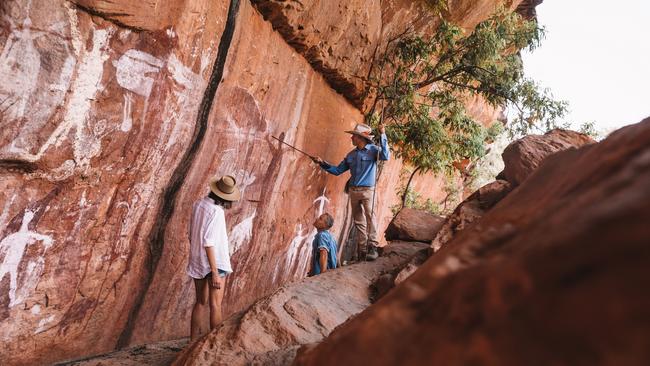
[(98, 120), (114, 115)]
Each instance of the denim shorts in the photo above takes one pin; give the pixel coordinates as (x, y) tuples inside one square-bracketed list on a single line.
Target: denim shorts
[(221, 274)]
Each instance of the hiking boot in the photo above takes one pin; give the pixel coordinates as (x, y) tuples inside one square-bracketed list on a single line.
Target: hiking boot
[(372, 254)]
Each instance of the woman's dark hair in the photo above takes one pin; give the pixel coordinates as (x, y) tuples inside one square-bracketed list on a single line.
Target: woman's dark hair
[(217, 200)]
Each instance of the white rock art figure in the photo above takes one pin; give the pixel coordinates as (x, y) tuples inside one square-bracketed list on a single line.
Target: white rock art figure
[(127, 120), (20, 64), (85, 86), (321, 200), (300, 246), (12, 249), (134, 69), (35, 81), (241, 233), (296, 250)]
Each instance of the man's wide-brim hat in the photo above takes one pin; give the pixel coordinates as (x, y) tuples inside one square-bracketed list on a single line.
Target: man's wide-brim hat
[(362, 130), (226, 188)]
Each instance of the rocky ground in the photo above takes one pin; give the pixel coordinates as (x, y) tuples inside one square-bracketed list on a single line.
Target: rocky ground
[(272, 329), (160, 354)]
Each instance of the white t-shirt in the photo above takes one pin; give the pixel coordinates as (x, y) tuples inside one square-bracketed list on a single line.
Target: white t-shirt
[(207, 229)]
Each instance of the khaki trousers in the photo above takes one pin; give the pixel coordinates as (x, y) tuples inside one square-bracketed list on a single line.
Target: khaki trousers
[(364, 220)]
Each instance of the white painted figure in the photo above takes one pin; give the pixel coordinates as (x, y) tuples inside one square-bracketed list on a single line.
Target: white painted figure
[(12, 249)]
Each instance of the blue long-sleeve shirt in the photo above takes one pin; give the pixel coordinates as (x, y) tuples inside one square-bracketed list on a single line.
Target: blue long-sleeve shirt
[(362, 163)]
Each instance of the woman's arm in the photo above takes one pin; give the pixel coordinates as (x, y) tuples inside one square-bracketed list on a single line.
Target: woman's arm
[(212, 258)]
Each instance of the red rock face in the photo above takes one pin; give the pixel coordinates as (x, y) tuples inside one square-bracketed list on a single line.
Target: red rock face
[(556, 273), (97, 180), (341, 38), (109, 131), (99, 118)]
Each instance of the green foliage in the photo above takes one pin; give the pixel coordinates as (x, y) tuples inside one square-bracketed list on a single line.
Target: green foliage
[(589, 129), (438, 6), (423, 83), (492, 132), (414, 200)]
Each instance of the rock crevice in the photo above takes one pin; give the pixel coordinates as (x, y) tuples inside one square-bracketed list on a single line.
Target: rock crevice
[(170, 194)]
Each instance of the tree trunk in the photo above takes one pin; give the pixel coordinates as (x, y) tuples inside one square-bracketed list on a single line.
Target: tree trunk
[(408, 186)]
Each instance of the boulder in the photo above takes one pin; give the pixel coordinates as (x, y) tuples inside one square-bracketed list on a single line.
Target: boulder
[(272, 329), (413, 225), (556, 274), (523, 156), (470, 210)]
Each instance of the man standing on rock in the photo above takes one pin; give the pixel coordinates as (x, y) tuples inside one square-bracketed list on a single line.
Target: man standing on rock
[(362, 163), (209, 259)]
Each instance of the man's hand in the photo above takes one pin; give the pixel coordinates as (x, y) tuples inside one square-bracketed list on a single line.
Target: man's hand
[(317, 160), (382, 128), (217, 281)]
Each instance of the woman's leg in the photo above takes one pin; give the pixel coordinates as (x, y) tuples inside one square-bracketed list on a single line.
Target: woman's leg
[(216, 296), (200, 307)]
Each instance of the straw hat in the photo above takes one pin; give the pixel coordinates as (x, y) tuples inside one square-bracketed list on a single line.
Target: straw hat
[(362, 130), (225, 188)]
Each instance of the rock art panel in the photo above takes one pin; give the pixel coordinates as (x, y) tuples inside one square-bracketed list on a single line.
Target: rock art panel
[(94, 122), (277, 94)]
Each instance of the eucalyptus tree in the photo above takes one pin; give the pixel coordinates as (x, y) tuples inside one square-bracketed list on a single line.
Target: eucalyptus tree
[(421, 85)]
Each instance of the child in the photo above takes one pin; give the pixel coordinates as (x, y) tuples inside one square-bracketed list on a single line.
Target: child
[(324, 246)]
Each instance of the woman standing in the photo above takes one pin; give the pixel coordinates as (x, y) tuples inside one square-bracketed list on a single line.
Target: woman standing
[(209, 259)]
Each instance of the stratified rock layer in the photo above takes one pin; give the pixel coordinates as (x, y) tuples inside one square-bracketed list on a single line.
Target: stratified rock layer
[(556, 273), (271, 330), (342, 38)]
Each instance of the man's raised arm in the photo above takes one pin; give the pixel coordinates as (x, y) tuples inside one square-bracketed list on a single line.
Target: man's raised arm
[(336, 170)]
